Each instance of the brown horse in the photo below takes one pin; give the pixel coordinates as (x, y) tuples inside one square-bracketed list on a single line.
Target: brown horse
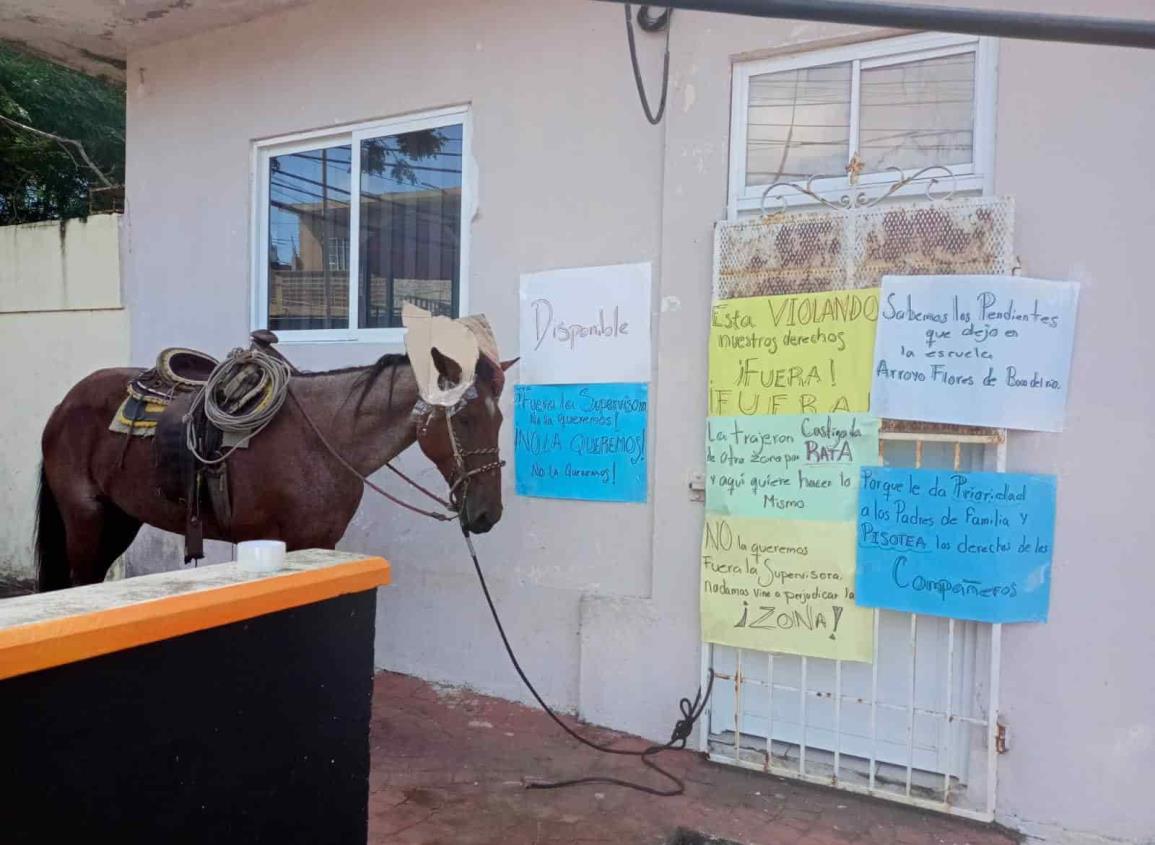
[(96, 490)]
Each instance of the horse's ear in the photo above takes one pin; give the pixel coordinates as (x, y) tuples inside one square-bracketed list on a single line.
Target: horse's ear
[(447, 368), (505, 365)]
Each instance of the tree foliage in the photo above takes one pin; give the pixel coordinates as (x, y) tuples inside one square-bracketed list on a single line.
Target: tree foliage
[(41, 178)]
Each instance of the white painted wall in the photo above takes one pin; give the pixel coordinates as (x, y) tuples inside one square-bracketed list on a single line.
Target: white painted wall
[(60, 318), (601, 600)]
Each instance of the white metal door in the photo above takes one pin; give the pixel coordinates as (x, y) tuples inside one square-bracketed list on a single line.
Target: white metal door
[(917, 725)]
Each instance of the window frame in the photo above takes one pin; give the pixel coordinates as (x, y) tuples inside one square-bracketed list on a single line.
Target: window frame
[(352, 135), (974, 176)]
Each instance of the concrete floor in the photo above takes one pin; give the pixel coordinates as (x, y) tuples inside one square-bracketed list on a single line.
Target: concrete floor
[(448, 767)]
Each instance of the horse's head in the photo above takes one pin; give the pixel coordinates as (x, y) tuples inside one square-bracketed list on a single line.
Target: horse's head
[(462, 440)]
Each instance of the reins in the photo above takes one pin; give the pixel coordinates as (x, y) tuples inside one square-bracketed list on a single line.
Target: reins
[(440, 517), (462, 473)]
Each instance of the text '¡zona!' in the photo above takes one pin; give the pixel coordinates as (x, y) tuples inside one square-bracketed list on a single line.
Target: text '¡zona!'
[(545, 325)]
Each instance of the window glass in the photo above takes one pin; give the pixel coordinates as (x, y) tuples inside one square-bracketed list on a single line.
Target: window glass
[(798, 124), (410, 238), (917, 114), (308, 282)]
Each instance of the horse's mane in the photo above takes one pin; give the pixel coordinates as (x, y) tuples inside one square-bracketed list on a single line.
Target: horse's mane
[(391, 361), (368, 375), (372, 371)]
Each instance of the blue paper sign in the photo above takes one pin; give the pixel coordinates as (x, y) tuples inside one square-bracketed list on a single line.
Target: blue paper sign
[(971, 545), (581, 441)]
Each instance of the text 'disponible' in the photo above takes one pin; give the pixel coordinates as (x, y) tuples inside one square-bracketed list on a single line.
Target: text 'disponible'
[(585, 324)]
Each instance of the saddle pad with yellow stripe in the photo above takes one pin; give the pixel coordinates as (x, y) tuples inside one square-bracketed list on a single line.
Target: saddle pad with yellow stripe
[(137, 416)]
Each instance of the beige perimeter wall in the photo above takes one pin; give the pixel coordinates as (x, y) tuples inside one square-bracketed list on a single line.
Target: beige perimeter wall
[(61, 317)]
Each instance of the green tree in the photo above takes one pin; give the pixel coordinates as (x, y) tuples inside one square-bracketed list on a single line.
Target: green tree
[(61, 134)]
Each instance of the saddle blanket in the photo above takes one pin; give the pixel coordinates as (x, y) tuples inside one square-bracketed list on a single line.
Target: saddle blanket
[(137, 417)]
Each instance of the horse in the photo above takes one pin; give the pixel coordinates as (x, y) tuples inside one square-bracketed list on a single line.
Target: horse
[(96, 489)]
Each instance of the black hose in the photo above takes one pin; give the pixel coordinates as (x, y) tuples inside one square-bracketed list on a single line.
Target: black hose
[(650, 22), (650, 25)]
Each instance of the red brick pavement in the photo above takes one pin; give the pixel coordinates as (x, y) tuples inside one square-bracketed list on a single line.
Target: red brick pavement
[(448, 767)]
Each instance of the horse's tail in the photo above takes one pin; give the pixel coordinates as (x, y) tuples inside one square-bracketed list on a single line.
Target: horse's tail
[(51, 552)]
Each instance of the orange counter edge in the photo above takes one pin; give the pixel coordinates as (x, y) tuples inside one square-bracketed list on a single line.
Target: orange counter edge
[(56, 642)]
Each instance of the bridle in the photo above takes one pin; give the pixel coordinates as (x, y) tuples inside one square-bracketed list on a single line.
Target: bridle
[(459, 477)]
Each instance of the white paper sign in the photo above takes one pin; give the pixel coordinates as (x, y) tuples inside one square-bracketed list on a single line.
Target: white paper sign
[(974, 350), (588, 324)]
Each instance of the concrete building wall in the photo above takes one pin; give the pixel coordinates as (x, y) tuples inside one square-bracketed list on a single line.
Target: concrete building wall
[(61, 317), (601, 600)]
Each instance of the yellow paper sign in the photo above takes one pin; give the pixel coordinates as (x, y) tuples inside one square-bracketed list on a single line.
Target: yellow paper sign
[(783, 585), (807, 353)]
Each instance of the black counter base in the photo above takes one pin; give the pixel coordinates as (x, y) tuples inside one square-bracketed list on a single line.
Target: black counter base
[(254, 732)]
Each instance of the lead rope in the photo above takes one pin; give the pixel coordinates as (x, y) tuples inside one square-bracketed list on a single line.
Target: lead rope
[(691, 710), (440, 517)]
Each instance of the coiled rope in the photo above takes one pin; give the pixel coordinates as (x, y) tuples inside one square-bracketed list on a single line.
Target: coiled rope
[(242, 396)]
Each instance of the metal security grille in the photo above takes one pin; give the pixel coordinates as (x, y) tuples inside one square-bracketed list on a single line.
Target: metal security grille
[(808, 251), (919, 724)]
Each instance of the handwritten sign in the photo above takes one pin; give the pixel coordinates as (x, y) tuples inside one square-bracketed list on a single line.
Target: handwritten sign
[(974, 350), (792, 354), (581, 441), (972, 545), (789, 467), (590, 324), (783, 585)]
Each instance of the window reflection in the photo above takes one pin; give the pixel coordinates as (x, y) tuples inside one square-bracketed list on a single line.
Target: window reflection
[(309, 239), (918, 113), (410, 238), (799, 124)]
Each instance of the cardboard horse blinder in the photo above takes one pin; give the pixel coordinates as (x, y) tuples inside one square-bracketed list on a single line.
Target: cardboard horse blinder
[(451, 340)]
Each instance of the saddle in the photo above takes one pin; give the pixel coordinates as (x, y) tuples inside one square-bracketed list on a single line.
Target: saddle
[(160, 403)]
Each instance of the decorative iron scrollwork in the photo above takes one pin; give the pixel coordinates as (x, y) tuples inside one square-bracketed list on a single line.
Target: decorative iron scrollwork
[(859, 199)]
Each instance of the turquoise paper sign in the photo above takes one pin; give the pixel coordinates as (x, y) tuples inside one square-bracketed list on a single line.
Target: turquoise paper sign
[(581, 441), (788, 467), (971, 545)]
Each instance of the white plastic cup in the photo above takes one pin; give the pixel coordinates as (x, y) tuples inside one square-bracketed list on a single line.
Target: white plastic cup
[(260, 555)]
